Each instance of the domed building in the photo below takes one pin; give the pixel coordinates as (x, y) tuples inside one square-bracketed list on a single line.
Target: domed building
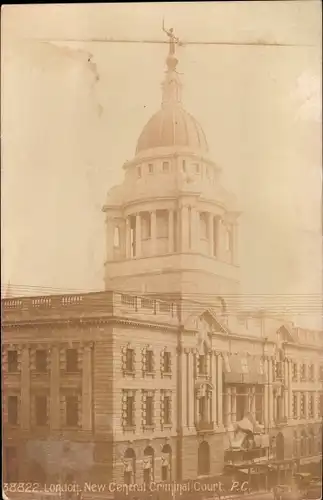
[(159, 379), (172, 229)]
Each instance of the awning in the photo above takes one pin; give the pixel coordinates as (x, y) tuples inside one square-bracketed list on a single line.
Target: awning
[(242, 369), (237, 440)]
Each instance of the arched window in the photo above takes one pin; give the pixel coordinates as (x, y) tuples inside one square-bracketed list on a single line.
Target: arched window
[(166, 466), (295, 444), (203, 459), (280, 446), (149, 459), (130, 466), (311, 442)]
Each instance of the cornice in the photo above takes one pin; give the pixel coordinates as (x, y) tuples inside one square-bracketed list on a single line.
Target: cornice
[(89, 321)]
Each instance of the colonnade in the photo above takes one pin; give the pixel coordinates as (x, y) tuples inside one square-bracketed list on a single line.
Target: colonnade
[(183, 233), (191, 383)]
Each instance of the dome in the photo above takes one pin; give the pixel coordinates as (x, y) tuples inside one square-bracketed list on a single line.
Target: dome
[(172, 126)]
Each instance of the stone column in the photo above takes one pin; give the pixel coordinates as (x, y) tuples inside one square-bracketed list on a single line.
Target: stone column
[(109, 238), (290, 391), (128, 238), (210, 234), (253, 402), (271, 391), (214, 383), (185, 228), (195, 234), (286, 384), (234, 404), (138, 235), (266, 395), (25, 388), (315, 405), (171, 231), (153, 232), (218, 238), (191, 392), (228, 408), (306, 405), (298, 404), (54, 387), (184, 402), (87, 388), (235, 243), (219, 389)]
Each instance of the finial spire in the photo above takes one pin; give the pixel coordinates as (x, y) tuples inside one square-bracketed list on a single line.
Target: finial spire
[(173, 40), (171, 86)]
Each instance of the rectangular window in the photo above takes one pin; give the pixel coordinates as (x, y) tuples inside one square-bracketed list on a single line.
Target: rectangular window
[(311, 373), (130, 420), (311, 405), (303, 402), (149, 362), (294, 405), (303, 372), (167, 410), (196, 167), (130, 366), (295, 372), (164, 473), (12, 361), (184, 166), (150, 168), (71, 360), (320, 405), (72, 414), (202, 408), (139, 171), (167, 362), (41, 410), (165, 166), (13, 410), (149, 410), (41, 360)]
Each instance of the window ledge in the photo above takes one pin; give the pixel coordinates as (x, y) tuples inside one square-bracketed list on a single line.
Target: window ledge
[(129, 373), (167, 374), (148, 427), (129, 428)]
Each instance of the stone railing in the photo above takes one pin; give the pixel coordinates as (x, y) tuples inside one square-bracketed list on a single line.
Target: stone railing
[(89, 304)]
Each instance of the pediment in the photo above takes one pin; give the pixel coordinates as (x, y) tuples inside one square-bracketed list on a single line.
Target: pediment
[(286, 333), (207, 322)]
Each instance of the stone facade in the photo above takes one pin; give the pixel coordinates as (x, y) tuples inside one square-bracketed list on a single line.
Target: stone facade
[(199, 377)]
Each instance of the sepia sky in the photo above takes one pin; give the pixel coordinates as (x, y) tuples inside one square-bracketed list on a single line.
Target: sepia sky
[(72, 112)]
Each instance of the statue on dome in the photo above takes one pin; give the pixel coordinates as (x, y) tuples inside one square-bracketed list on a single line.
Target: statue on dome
[(173, 40)]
